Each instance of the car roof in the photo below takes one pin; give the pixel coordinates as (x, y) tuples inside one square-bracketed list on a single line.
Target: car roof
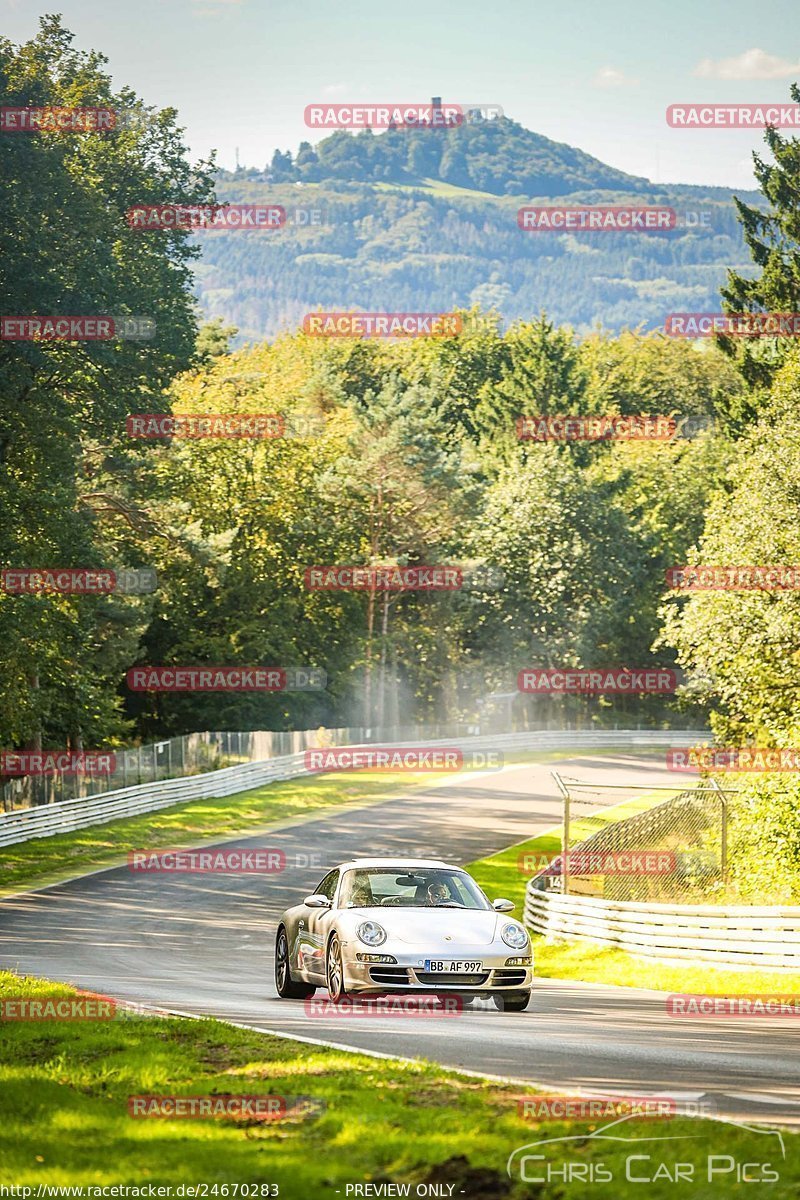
[(396, 862)]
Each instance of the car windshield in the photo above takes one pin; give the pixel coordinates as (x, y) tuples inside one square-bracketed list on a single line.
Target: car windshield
[(422, 887)]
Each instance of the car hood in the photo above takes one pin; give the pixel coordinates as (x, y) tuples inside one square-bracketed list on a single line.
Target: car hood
[(431, 926)]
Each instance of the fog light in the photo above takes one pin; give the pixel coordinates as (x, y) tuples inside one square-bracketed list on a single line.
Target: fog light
[(376, 958), (518, 962)]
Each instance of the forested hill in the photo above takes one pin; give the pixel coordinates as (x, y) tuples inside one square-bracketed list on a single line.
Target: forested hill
[(426, 220), (497, 156)]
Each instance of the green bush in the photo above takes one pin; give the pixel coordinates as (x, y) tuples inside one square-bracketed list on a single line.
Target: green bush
[(764, 841)]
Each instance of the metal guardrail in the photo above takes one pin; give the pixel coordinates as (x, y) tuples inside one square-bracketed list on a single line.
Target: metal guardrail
[(175, 758), (729, 935), (170, 758), (65, 816)]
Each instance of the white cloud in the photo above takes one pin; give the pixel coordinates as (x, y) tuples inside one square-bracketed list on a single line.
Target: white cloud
[(610, 77), (752, 64), (335, 89)]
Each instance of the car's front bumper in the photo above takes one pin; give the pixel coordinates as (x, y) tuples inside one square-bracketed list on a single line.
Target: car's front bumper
[(408, 973)]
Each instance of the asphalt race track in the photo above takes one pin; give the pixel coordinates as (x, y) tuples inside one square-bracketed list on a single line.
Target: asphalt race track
[(203, 944)]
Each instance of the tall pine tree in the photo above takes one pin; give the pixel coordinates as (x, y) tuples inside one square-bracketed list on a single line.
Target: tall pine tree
[(773, 238)]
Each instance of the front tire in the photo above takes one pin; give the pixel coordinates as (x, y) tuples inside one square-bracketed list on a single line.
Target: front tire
[(334, 970), (512, 1001), (288, 988)]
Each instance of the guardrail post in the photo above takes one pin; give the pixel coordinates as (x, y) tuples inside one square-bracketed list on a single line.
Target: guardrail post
[(723, 837), (562, 787)]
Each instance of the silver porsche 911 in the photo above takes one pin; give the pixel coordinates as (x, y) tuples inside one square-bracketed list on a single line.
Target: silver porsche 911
[(396, 925)]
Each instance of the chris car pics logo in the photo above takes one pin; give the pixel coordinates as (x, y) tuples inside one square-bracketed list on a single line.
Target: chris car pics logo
[(652, 1157)]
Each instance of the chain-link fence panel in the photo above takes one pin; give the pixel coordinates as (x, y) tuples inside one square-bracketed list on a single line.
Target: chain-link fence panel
[(670, 850)]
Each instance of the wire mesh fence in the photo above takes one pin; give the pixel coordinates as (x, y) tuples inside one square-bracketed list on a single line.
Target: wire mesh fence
[(191, 754), (623, 845)]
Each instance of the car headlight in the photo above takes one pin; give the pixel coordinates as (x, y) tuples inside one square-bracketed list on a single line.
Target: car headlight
[(514, 936), (371, 933)]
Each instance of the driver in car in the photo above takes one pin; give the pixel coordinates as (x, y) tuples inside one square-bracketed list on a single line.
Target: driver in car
[(438, 893), (359, 894)]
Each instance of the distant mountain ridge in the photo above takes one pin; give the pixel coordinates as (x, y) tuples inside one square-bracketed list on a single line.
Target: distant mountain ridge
[(426, 220)]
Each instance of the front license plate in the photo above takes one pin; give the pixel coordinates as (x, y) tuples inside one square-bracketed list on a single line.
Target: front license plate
[(457, 966)]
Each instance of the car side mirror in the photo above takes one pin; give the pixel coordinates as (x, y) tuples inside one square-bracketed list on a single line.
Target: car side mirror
[(503, 905), (317, 901)]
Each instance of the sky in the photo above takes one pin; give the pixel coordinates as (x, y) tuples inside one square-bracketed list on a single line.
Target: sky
[(597, 74)]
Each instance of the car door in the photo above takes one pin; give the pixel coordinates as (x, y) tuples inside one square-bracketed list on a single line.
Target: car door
[(317, 925)]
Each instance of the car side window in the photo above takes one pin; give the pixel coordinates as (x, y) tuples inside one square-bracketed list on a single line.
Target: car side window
[(328, 885)]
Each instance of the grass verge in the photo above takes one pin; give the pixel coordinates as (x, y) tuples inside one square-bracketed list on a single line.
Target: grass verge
[(581, 960), (66, 1084), (604, 964)]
